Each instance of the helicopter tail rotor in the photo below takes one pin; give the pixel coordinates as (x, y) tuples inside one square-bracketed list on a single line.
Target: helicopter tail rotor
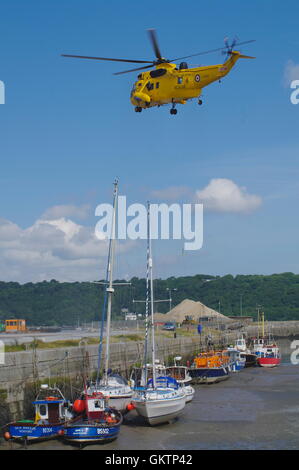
[(228, 50)]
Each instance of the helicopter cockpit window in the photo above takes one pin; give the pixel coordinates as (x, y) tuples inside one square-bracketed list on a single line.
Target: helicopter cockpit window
[(180, 80), (157, 84)]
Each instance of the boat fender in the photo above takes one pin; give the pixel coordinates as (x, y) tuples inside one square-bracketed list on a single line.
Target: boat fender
[(7, 436), (113, 418), (130, 406)]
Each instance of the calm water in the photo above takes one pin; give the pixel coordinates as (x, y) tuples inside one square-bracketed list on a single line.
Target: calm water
[(255, 409)]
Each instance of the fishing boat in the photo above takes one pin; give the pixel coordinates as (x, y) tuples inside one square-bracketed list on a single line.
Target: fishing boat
[(265, 348), (161, 399), (237, 360), (96, 421), (210, 367), (52, 411), (110, 385), (181, 375), (250, 357), (269, 355)]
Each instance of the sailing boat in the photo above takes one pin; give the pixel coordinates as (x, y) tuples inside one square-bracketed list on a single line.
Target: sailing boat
[(112, 385), (161, 399)]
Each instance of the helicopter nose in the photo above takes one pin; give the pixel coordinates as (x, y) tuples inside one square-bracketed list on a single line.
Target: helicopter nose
[(139, 98)]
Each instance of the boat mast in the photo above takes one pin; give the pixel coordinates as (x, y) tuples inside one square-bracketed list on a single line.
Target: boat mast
[(263, 324), (110, 288), (152, 293), (146, 304), (258, 324)]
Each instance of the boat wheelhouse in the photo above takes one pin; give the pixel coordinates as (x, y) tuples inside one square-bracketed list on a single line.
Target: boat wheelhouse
[(237, 360), (250, 357)]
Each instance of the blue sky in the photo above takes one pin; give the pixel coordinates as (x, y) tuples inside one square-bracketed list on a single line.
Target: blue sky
[(68, 129)]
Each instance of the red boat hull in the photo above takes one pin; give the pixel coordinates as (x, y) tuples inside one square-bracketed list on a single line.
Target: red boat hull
[(268, 361)]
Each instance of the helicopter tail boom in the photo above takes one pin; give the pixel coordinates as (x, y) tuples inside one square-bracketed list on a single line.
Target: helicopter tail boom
[(242, 56)]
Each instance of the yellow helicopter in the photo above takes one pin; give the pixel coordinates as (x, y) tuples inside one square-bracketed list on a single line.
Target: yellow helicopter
[(169, 84)]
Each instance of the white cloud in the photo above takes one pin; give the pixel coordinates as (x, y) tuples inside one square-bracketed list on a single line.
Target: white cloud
[(291, 72), (67, 210), (56, 248), (223, 195)]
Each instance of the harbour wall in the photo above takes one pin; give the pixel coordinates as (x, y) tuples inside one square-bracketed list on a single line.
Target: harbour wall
[(22, 372)]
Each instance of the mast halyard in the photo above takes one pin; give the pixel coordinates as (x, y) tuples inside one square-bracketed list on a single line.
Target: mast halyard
[(110, 289)]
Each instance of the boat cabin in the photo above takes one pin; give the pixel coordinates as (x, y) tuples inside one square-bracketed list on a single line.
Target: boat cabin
[(164, 382), (179, 373), (258, 343), (96, 408), (137, 377), (51, 406), (241, 344), (234, 354), (51, 410)]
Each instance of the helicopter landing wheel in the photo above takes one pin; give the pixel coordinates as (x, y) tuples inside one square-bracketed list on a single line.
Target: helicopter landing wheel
[(173, 111), (200, 102), (138, 109)]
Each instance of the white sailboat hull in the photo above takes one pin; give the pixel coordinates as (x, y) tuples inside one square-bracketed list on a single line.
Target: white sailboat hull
[(160, 410)]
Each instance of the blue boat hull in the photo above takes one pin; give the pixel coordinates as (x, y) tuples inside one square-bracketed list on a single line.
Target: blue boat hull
[(33, 432), (209, 375), (84, 433), (237, 366)]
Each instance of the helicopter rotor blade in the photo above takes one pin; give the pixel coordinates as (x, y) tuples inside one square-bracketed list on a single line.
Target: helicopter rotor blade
[(226, 42), (108, 58), (210, 51), (134, 70), (154, 40)]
